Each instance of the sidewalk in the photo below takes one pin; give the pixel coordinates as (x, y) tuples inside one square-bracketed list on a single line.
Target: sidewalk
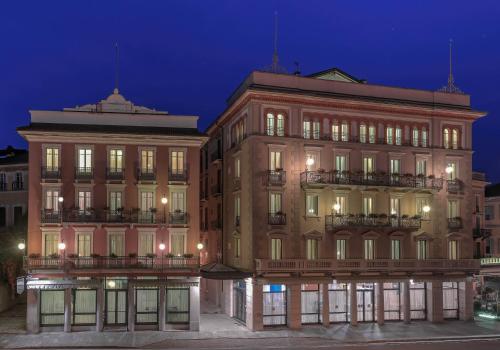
[(216, 326)]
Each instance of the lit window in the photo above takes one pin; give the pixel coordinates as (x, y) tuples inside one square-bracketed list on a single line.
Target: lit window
[(341, 163), (395, 165), (147, 157), (422, 252), (335, 132), (421, 167), (362, 133), (454, 139), (52, 158), (395, 249), (341, 248), (276, 249), (51, 200), (177, 162), (237, 247), (395, 206), (115, 160), (316, 130), (280, 127), (453, 209), (311, 249), (368, 165), (307, 129), (424, 137), (345, 132), (371, 134), (85, 160), (275, 203), (341, 201), (453, 249), (367, 205), (312, 205), (420, 204), (115, 200), (415, 137), (453, 174), (399, 136), (446, 138), (369, 249), (389, 135), (237, 167), (270, 124), (84, 200), (275, 160)]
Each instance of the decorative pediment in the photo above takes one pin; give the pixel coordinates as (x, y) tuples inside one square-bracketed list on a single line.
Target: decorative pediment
[(236, 233), (455, 236), (276, 233), (398, 234), (343, 234), (423, 236), (370, 235), (314, 234)]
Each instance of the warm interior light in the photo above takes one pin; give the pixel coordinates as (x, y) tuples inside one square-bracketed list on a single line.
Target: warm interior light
[(162, 246), (336, 207), (449, 169), (21, 246), (61, 246), (60, 199), (111, 284), (310, 161), (426, 209), (393, 212), (164, 200), (199, 246), (411, 281)]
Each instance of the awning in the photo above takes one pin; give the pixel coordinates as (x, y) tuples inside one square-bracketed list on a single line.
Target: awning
[(217, 271)]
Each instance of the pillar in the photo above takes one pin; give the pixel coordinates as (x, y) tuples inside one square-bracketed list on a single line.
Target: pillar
[(254, 305), (131, 308), (32, 311), (194, 306), (406, 302), (354, 304), (293, 306), (162, 308), (380, 303), (435, 301), (325, 306), (99, 325), (67, 309), (466, 299)]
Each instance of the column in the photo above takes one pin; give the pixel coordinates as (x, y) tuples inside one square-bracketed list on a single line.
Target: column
[(325, 306), (99, 325), (131, 308), (254, 305), (33, 311), (67, 309), (380, 303), (466, 299), (406, 302), (162, 307), (293, 306), (354, 304), (194, 306), (435, 301)]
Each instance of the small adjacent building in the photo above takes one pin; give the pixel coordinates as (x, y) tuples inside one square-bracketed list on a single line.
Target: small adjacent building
[(113, 227)]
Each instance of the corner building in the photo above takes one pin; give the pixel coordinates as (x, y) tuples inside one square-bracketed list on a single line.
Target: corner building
[(113, 221), (346, 202)]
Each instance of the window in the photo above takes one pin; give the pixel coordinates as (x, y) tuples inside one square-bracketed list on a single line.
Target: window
[(178, 201), (307, 129), (368, 165), (276, 249), (311, 205), (489, 212), (146, 201), (335, 132), (177, 304), (274, 202), (3, 180), (453, 174), (420, 204), (313, 164), (116, 244), (177, 162), (424, 137), (237, 167), (177, 242), (415, 137), (362, 133), (52, 158), (84, 200), (395, 249), (371, 134), (275, 160), (237, 205), (83, 244), (342, 202), (115, 201), (345, 132), (341, 163), (316, 130), (146, 243), (395, 206), (399, 136), (389, 135), (147, 161), (446, 138), (454, 139), (395, 165), (51, 200), (341, 248), (270, 124), (367, 205), (311, 249), (280, 127), (421, 167), (452, 209), (84, 306), (453, 249), (51, 307), (51, 244), (422, 249), (115, 160), (85, 160), (369, 250), (237, 247)]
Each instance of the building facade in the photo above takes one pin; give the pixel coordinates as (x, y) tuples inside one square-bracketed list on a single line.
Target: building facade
[(13, 186), (113, 227), (346, 202)]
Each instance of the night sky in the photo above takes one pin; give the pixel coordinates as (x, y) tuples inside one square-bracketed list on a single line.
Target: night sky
[(186, 57)]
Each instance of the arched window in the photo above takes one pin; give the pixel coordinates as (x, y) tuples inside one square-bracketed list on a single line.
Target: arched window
[(280, 125), (446, 138), (454, 139), (415, 137), (270, 124), (389, 135), (362, 133)]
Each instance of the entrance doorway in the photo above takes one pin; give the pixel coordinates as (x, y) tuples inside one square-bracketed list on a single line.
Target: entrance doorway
[(311, 303), (115, 303), (240, 297), (338, 296), (146, 306), (450, 300), (366, 301), (274, 305)]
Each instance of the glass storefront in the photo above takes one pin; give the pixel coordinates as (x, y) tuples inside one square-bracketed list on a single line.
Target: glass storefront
[(177, 304), (450, 300), (418, 300), (51, 307), (274, 305), (84, 307), (338, 297), (311, 302)]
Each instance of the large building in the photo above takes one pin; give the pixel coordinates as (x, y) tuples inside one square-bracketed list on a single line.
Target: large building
[(345, 201), (113, 228), (13, 186)]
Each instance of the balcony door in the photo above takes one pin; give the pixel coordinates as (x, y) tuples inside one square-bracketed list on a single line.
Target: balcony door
[(52, 158), (177, 162), (115, 160), (85, 160), (116, 244)]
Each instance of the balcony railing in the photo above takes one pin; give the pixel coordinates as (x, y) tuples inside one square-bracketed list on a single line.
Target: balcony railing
[(178, 218), (115, 174), (17, 186), (490, 261), (373, 220), (51, 173), (362, 265), (84, 173), (146, 174), (108, 262), (49, 216), (180, 175), (276, 177), (217, 189), (455, 223), (276, 219), (311, 178), (454, 186), (482, 233)]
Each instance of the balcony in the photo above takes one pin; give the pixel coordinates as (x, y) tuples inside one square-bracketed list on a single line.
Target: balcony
[(454, 186), (237, 221), (50, 173), (146, 174), (17, 186), (114, 174), (178, 218), (481, 233), (276, 218), (455, 223), (338, 221), (324, 178), (217, 189), (492, 261), (216, 224), (215, 155), (49, 216), (69, 264), (178, 175), (84, 173), (361, 265), (276, 177), (132, 216)]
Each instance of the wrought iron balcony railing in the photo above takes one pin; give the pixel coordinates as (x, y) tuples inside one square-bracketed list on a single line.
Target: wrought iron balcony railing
[(454, 186), (146, 174), (17, 186), (84, 173), (276, 218), (49, 216), (319, 178), (50, 173), (455, 223), (115, 174), (373, 220), (482, 233), (178, 218), (276, 177), (179, 175)]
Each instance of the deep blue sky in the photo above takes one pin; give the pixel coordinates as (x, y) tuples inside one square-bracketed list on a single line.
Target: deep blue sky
[(188, 56)]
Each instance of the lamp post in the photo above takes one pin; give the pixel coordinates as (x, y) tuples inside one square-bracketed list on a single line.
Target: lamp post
[(164, 201), (60, 200), (199, 246), (336, 208), (426, 209), (22, 247), (162, 248), (62, 246)]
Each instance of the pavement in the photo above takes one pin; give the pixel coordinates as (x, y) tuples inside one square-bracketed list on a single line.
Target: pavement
[(217, 330)]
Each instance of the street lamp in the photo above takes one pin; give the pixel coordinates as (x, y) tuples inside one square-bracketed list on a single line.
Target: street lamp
[(62, 246), (336, 207), (21, 245), (164, 201), (449, 169), (199, 246), (310, 162), (162, 248), (60, 199), (426, 208)]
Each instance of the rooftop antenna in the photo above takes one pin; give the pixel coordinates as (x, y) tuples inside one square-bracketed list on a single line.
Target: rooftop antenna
[(297, 68), (275, 67), (451, 87), (117, 70)]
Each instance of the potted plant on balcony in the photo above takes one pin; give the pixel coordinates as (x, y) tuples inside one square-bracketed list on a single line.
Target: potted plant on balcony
[(73, 256), (321, 170), (113, 256), (54, 256), (34, 256), (132, 255), (151, 255), (169, 255), (188, 255), (431, 177)]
